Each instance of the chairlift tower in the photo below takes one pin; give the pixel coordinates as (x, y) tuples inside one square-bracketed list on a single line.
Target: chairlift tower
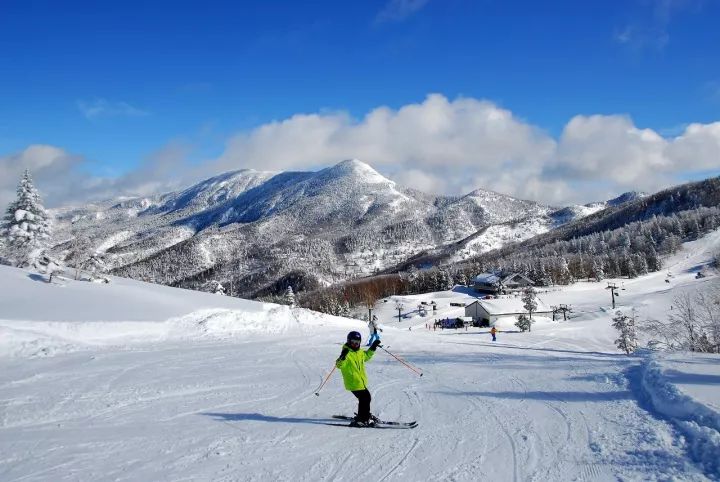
[(399, 307), (613, 291)]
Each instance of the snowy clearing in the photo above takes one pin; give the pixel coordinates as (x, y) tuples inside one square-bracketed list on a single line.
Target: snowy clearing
[(132, 381)]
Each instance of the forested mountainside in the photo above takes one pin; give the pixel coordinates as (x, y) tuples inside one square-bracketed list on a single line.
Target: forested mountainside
[(258, 232), (624, 240)]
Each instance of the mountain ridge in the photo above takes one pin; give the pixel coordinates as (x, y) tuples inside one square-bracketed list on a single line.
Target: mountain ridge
[(252, 228)]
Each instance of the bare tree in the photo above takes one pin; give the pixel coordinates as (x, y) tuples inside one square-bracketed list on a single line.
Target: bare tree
[(693, 324)]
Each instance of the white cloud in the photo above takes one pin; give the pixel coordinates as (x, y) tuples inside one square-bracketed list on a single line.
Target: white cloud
[(398, 10), (650, 26), (610, 147), (698, 148), (43, 161), (58, 175), (97, 108), (435, 133), (467, 143), (438, 145)]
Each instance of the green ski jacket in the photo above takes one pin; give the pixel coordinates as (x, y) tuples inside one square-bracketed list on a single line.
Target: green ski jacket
[(353, 368)]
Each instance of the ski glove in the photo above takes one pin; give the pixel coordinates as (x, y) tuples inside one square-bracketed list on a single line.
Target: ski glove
[(341, 358), (375, 344)]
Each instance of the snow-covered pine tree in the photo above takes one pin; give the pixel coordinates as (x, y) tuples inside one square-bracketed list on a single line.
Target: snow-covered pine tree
[(597, 270), (3, 249), (523, 322), (529, 299), (289, 296), (564, 276), (625, 325), (446, 280), (26, 226), (333, 305), (219, 288)]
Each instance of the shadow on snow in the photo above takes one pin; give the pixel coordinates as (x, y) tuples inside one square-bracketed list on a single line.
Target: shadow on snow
[(575, 396), (258, 417)]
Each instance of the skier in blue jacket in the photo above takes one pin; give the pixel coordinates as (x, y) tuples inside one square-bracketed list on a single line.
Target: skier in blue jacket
[(372, 325)]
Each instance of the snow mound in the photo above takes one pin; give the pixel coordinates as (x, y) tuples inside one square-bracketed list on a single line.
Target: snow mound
[(223, 322), (43, 319), (507, 323), (699, 422)]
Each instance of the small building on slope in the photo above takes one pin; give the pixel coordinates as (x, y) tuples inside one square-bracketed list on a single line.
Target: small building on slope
[(486, 312), (495, 283)]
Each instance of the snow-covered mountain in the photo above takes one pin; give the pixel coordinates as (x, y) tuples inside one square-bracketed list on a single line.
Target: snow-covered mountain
[(253, 229)]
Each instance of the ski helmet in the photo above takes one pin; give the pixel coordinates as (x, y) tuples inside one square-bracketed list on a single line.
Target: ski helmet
[(354, 336)]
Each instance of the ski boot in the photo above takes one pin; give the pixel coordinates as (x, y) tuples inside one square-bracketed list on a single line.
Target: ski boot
[(362, 423)]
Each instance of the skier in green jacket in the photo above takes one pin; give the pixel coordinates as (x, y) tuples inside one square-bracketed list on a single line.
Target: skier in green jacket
[(352, 365)]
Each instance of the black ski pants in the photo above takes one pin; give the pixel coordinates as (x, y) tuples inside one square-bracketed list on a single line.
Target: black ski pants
[(363, 396)]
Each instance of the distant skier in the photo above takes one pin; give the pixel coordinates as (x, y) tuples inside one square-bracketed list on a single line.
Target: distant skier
[(352, 366), (493, 330), (373, 326)]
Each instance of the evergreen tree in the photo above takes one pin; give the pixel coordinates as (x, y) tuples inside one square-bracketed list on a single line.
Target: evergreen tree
[(290, 297), (219, 288), (345, 309), (653, 260), (3, 249), (446, 280), (564, 276), (597, 270), (523, 322), (625, 325), (26, 225), (529, 300)]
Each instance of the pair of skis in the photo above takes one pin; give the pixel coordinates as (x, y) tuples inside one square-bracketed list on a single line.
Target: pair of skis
[(378, 423)]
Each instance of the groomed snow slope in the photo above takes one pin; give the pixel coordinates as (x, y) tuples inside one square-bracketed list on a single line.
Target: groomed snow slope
[(152, 383)]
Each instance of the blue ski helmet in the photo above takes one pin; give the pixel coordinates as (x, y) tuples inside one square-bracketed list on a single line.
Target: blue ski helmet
[(354, 336)]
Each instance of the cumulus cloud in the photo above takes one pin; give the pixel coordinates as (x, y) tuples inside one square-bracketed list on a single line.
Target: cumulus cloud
[(438, 145), (62, 178), (46, 163), (455, 146), (96, 108), (435, 133)]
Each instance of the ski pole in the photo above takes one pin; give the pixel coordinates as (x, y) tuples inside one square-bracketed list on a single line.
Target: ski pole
[(317, 392), (419, 372)]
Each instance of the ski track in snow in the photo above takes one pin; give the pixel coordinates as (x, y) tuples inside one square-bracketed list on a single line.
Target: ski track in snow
[(494, 418), (556, 404)]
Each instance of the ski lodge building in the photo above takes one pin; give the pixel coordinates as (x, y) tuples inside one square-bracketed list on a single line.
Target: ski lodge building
[(487, 312), (494, 283)]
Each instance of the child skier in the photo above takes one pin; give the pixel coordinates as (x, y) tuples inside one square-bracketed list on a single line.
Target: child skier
[(352, 366), (372, 324), (493, 330)]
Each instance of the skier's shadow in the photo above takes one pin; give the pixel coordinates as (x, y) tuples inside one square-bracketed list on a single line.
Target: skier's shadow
[(258, 417)]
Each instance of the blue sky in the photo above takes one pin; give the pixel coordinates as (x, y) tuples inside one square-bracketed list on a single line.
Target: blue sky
[(116, 83)]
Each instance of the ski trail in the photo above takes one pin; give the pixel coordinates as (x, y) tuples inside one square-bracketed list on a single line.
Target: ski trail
[(401, 461)]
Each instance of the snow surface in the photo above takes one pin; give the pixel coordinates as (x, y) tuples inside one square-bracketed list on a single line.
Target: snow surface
[(132, 381)]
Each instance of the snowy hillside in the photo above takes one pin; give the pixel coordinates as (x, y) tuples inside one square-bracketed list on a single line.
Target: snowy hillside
[(132, 381), (338, 223)]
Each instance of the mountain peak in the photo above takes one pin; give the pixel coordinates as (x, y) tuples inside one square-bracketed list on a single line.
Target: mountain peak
[(356, 168), (625, 197)]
